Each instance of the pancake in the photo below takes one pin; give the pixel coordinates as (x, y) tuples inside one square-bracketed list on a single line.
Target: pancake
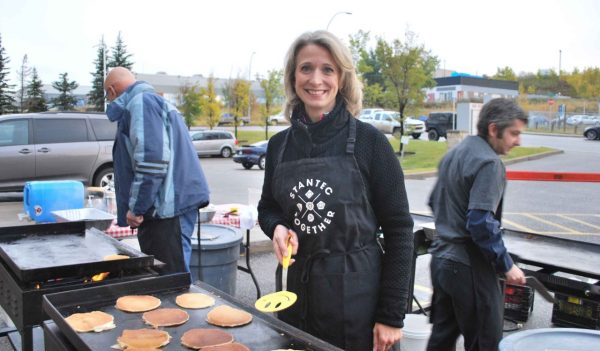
[(143, 338), (115, 257), (141, 349), (225, 316), (96, 321), (137, 303), (165, 317), (199, 338), (227, 347), (194, 300)]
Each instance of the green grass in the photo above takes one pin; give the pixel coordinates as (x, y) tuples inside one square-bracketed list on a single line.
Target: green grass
[(521, 151), (249, 137), (419, 155)]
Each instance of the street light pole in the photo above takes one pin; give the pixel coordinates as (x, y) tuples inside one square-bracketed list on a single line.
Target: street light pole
[(250, 86), (337, 13)]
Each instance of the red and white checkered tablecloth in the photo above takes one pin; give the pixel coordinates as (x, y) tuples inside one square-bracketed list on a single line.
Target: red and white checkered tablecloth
[(222, 217), (119, 232)]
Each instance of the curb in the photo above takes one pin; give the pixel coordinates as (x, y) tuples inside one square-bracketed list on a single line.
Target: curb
[(425, 175)]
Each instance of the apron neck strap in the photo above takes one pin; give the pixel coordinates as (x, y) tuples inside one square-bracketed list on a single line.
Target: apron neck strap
[(351, 136)]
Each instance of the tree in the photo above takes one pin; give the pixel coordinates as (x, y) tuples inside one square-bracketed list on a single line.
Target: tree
[(7, 100), (189, 104), (65, 100), (240, 98), (407, 68), (368, 69), (23, 73), (505, 73), (96, 95), (210, 104), (120, 57), (36, 102), (273, 88)]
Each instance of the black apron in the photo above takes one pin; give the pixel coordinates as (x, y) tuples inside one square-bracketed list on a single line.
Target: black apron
[(337, 269), (488, 296)]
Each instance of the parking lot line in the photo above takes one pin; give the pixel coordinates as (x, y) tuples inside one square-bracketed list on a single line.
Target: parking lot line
[(518, 226), (534, 217), (577, 221)]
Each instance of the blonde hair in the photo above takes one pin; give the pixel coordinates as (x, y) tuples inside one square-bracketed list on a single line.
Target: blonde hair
[(350, 87)]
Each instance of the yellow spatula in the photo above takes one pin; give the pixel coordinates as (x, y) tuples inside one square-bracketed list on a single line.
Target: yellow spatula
[(283, 299)]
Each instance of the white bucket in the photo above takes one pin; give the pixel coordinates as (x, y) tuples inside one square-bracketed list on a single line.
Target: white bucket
[(415, 333)]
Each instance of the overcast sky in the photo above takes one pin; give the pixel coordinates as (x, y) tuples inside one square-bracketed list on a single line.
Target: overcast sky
[(218, 37)]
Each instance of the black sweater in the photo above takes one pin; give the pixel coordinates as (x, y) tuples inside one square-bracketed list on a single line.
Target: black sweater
[(381, 172)]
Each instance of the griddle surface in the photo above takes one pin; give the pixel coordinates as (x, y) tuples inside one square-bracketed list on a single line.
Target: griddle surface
[(46, 254), (263, 333)]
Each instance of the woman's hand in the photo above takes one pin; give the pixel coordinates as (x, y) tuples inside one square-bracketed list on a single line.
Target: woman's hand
[(385, 336), (280, 240)]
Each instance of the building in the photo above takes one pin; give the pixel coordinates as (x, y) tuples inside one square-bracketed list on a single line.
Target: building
[(169, 85), (470, 88)]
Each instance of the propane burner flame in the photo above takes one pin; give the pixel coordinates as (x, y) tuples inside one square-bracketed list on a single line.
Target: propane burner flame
[(100, 276)]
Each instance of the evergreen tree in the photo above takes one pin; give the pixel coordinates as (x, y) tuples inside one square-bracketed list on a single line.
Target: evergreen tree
[(23, 74), (36, 102), (7, 100), (96, 95), (65, 100), (120, 57)]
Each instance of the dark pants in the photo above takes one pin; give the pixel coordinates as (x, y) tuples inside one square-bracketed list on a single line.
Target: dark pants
[(162, 239), (454, 310)]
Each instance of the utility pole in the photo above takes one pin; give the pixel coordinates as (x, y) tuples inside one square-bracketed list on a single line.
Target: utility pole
[(250, 86), (559, 64)]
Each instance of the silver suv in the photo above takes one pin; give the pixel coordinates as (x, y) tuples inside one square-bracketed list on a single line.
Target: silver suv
[(56, 145)]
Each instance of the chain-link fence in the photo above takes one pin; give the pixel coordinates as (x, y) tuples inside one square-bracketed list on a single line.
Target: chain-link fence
[(545, 121)]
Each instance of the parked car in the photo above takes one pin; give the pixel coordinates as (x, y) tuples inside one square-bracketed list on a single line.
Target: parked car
[(368, 112), (250, 155), (583, 119), (56, 145), (229, 118), (592, 133), (278, 119), (438, 123), (214, 142), (389, 122)]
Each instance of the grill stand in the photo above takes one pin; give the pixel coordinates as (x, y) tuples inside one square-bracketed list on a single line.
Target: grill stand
[(248, 269)]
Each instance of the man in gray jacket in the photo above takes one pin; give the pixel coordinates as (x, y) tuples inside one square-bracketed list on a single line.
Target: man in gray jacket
[(158, 179), (469, 252)]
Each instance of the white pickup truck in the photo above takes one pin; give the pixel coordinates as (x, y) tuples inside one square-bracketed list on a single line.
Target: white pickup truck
[(389, 122)]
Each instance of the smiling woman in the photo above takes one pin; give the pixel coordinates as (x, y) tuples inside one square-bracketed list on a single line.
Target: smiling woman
[(314, 198)]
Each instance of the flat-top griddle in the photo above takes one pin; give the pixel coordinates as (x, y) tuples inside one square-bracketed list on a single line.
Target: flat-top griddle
[(263, 333), (48, 251)]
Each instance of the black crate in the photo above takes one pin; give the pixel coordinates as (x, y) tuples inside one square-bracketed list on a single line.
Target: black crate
[(518, 302), (573, 311)]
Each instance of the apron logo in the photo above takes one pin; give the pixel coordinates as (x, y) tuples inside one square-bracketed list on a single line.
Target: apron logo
[(311, 216)]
